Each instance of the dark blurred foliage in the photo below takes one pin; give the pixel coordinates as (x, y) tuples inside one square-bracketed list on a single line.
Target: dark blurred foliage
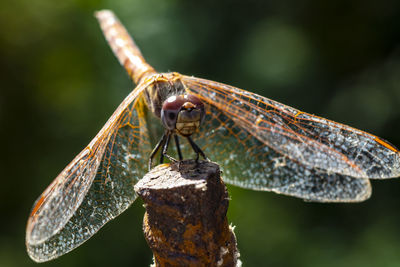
[(60, 83)]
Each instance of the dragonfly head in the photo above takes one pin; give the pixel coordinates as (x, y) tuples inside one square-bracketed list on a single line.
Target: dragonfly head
[(182, 113)]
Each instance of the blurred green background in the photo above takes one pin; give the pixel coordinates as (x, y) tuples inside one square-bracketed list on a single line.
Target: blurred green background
[(60, 82)]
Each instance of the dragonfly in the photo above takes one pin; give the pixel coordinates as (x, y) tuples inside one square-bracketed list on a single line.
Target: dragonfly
[(260, 144)]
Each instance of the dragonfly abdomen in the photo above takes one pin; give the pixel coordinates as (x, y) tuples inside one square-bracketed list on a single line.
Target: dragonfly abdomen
[(123, 46)]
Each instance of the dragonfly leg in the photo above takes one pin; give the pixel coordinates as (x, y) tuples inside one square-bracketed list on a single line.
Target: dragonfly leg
[(165, 149), (178, 148), (156, 148), (196, 149)]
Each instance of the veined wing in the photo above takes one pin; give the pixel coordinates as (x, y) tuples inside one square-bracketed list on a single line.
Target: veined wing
[(305, 139), (95, 187), (249, 163)]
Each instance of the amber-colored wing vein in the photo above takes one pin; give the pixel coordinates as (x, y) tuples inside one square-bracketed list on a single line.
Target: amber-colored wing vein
[(247, 162), (95, 187), (311, 141)]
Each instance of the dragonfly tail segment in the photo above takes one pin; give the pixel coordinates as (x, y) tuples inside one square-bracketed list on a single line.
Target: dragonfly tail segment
[(123, 46)]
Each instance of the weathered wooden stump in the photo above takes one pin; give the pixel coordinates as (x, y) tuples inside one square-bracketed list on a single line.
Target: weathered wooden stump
[(185, 222)]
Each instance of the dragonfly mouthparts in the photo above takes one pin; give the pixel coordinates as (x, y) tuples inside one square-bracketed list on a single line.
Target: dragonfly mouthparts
[(187, 128)]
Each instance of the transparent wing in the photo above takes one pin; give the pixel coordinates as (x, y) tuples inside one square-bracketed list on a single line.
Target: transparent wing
[(95, 187), (247, 162), (308, 140)]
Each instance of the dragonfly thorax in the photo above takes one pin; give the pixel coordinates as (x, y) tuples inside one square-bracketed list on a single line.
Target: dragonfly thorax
[(183, 114)]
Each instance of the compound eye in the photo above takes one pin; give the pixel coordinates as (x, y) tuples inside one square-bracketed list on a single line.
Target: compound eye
[(168, 118), (194, 100), (174, 104), (170, 110)]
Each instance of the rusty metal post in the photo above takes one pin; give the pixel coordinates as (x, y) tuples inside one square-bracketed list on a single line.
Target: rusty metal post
[(185, 222)]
